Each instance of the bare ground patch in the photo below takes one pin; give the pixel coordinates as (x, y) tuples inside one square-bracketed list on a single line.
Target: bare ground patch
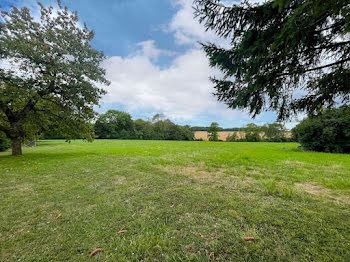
[(318, 190), (211, 176), (198, 171)]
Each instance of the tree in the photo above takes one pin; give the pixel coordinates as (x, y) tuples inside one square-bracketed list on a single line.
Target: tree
[(328, 131), (213, 132), (252, 133), (114, 124), (49, 72), (143, 129), (287, 55), (274, 132), (232, 137)]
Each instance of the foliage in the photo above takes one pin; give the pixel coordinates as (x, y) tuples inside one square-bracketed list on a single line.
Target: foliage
[(231, 138), (114, 124), (53, 77), (4, 143), (164, 194), (143, 130), (213, 132), (252, 133), (280, 47), (328, 131), (274, 132)]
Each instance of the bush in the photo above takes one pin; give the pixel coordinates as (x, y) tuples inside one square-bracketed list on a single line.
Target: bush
[(231, 138), (252, 133), (326, 132), (4, 142)]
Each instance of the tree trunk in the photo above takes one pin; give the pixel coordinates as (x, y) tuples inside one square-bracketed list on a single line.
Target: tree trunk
[(16, 144)]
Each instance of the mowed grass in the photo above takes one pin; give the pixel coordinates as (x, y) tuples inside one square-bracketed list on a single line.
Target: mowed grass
[(174, 201)]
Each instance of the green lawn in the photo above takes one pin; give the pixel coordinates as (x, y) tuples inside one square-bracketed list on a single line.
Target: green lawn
[(177, 201)]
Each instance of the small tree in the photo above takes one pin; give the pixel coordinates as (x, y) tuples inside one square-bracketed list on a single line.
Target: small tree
[(231, 138), (53, 74), (213, 132), (274, 132), (252, 133), (328, 131)]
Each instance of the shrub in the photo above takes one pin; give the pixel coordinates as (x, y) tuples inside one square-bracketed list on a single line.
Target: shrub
[(326, 132), (4, 142), (213, 132), (274, 132), (252, 133), (231, 138)]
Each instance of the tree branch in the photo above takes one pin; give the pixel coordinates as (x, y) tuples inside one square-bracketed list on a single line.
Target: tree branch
[(317, 68)]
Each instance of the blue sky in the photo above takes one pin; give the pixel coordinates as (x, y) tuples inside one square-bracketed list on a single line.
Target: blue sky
[(154, 62)]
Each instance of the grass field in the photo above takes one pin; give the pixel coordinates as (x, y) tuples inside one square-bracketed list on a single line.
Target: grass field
[(174, 201)]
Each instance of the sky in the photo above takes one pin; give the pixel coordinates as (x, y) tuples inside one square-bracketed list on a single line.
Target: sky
[(154, 60)]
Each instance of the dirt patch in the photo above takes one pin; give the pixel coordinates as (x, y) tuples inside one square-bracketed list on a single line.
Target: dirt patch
[(314, 189), (118, 180), (318, 190), (200, 171)]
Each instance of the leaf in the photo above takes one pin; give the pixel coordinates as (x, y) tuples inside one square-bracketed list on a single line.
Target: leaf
[(211, 255), (59, 215), (122, 230), (249, 239), (95, 252), (201, 235)]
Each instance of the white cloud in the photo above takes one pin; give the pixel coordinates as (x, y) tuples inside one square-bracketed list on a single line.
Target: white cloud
[(186, 29), (180, 91), (149, 50)]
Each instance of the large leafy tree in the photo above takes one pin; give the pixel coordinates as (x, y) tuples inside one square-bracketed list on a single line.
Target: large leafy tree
[(114, 124), (327, 132), (48, 73), (286, 55)]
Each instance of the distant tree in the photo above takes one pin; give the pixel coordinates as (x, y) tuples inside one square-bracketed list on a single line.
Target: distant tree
[(158, 117), (186, 133), (328, 131), (199, 128), (252, 133), (232, 137), (114, 124), (277, 48), (213, 131), (274, 132), (143, 129), (53, 74)]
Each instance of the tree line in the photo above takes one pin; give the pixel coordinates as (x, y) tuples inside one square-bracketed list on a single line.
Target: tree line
[(120, 125), (275, 132)]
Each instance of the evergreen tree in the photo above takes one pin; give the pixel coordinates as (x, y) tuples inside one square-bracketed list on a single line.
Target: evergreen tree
[(286, 55)]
